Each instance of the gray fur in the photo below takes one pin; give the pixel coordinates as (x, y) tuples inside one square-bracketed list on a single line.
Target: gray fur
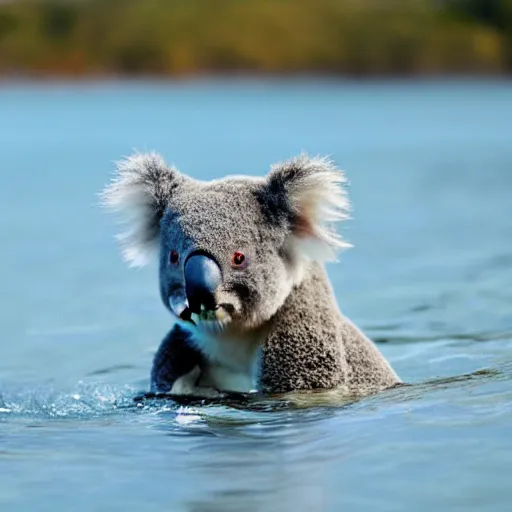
[(175, 357), (277, 326), (313, 346), (141, 190)]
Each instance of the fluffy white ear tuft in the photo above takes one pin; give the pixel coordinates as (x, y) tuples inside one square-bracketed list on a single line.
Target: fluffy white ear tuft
[(140, 191), (315, 194)]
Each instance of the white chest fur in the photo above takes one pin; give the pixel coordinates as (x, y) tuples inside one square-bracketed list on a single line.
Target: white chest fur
[(225, 379), (232, 362)]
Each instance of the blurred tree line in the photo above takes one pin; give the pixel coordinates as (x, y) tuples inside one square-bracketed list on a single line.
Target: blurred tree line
[(184, 37)]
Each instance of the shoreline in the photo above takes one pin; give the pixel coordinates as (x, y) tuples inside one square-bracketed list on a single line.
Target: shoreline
[(253, 78)]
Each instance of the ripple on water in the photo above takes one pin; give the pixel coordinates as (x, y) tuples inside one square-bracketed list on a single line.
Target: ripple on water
[(85, 400), (97, 400), (93, 400)]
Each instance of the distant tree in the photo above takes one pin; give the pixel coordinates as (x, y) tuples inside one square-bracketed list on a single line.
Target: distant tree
[(492, 12)]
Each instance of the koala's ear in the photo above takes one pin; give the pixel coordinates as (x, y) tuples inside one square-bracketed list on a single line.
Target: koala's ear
[(311, 193), (141, 189)]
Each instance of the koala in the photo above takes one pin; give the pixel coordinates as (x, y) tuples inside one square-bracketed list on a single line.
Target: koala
[(241, 270)]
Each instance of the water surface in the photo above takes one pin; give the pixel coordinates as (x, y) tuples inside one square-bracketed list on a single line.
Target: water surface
[(429, 278)]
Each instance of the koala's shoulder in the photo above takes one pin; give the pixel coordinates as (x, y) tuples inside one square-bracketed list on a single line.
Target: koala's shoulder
[(304, 349)]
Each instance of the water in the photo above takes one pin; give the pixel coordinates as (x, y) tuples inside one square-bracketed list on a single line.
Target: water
[(430, 279)]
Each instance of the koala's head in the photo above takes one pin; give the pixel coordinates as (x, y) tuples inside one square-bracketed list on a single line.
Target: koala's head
[(231, 250)]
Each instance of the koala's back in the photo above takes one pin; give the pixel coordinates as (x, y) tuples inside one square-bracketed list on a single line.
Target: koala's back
[(313, 346)]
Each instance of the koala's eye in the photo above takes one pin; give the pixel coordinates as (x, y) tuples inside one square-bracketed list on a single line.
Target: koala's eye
[(174, 257), (238, 259)]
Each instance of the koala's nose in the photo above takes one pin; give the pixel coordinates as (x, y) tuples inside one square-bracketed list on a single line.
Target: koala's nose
[(202, 277)]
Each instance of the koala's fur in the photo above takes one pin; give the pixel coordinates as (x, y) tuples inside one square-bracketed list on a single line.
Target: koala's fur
[(280, 329)]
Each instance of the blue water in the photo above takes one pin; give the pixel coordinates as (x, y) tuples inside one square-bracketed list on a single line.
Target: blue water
[(429, 278)]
